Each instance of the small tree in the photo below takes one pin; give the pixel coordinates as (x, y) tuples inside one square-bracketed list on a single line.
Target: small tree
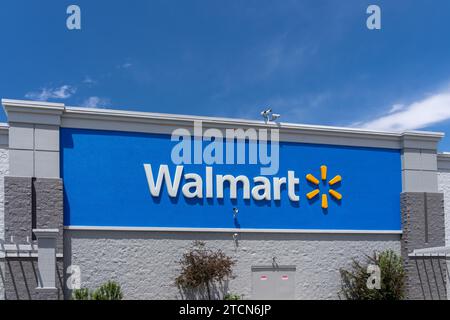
[(354, 282), (202, 269)]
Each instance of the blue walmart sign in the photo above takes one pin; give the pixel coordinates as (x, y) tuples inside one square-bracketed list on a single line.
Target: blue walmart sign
[(128, 179)]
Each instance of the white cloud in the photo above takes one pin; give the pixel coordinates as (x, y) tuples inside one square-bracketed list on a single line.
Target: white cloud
[(63, 92), (417, 115), (397, 107), (125, 65), (95, 102), (88, 80)]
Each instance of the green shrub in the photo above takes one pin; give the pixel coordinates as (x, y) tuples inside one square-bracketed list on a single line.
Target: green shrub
[(108, 291), (231, 296), (81, 294), (354, 282)]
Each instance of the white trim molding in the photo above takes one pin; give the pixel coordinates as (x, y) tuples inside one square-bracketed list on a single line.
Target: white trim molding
[(230, 230)]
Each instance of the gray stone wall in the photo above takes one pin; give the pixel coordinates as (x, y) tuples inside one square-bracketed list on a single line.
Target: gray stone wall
[(30, 203), (423, 227), (145, 263), (18, 207), (18, 210), (49, 207), (21, 280)]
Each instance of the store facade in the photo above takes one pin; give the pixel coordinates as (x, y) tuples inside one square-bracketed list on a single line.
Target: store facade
[(120, 195)]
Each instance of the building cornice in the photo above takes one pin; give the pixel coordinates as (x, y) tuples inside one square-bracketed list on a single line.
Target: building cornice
[(160, 123), (75, 117), (36, 112), (443, 162)]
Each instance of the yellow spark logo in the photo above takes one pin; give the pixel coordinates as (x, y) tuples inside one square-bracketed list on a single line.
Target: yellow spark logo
[(332, 182)]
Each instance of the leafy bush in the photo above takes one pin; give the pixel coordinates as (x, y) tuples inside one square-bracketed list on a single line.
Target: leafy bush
[(231, 296), (81, 294), (202, 269), (108, 291), (354, 282)]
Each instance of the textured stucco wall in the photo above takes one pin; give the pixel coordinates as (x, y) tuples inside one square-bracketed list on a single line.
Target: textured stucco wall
[(4, 169), (444, 187), (145, 263)]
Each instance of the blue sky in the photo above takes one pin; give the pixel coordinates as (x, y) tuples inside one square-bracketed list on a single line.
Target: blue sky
[(312, 61)]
